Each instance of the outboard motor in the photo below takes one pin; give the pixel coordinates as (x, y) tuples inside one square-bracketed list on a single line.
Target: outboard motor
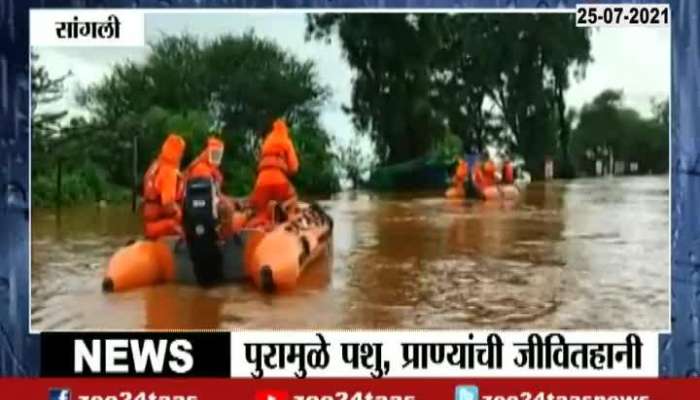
[(200, 224), (470, 189)]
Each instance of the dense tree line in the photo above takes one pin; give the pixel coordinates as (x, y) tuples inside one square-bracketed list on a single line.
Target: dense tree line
[(232, 86), (425, 87), (487, 78), (609, 130)]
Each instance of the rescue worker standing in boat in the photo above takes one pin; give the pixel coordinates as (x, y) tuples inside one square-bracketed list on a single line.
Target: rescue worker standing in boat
[(161, 190), (278, 162)]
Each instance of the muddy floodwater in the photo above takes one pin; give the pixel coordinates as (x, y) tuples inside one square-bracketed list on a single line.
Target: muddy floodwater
[(583, 254)]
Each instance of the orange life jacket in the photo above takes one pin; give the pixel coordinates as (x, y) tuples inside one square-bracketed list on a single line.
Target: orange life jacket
[(489, 173), (462, 171), (484, 174), (277, 151), (170, 156), (508, 172), (273, 160), (151, 194)]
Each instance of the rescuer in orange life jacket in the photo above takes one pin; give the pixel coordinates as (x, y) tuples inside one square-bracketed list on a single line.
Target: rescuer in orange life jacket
[(460, 175), (207, 165), (161, 189), (485, 173), (508, 173), (278, 161)]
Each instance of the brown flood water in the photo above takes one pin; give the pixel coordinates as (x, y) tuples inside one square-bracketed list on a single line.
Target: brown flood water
[(584, 254)]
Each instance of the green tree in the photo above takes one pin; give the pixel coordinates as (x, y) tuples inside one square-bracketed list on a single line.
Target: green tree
[(566, 51), (537, 53), (608, 130), (46, 91), (391, 99), (599, 129), (419, 76), (466, 69), (232, 85), (61, 165), (354, 162), (317, 172)]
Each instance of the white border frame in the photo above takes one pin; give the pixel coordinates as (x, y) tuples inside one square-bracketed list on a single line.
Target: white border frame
[(257, 11)]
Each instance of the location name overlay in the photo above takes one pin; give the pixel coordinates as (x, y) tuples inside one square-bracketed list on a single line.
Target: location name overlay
[(86, 27), (76, 29)]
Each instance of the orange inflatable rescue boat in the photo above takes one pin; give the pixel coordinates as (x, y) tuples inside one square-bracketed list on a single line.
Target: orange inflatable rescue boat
[(498, 192), (143, 263), (489, 193), (273, 258), (478, 185)]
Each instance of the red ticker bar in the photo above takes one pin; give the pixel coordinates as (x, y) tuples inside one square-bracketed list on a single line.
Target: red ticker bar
[(350, 389)]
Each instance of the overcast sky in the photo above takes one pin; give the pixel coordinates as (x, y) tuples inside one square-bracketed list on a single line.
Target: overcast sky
[(636, 60)]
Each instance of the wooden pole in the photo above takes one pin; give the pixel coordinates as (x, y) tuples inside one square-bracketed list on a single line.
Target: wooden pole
[(58, 183), (134, 165)]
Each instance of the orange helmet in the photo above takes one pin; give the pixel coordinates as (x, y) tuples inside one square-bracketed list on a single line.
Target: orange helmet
[(280, 126), (172, 149)]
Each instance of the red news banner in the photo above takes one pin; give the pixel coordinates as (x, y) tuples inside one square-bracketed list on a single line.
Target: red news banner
[(350, 389)]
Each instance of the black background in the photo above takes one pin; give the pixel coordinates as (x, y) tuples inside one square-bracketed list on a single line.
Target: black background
[(211, 352)]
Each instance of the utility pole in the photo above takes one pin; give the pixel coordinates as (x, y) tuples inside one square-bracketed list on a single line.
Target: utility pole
[(58, 182), (135, 172)]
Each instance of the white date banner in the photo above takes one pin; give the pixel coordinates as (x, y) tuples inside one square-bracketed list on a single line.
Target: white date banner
[(588, 15)]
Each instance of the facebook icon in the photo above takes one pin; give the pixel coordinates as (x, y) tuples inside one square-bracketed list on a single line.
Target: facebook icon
[(467, 393), (59, 394)]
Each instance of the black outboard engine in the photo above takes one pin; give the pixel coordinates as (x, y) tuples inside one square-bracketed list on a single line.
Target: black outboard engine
[(199, 220), (470, 189)]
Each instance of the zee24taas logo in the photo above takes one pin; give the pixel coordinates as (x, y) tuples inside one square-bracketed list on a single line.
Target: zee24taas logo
[(466, 393), (59, 394)]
